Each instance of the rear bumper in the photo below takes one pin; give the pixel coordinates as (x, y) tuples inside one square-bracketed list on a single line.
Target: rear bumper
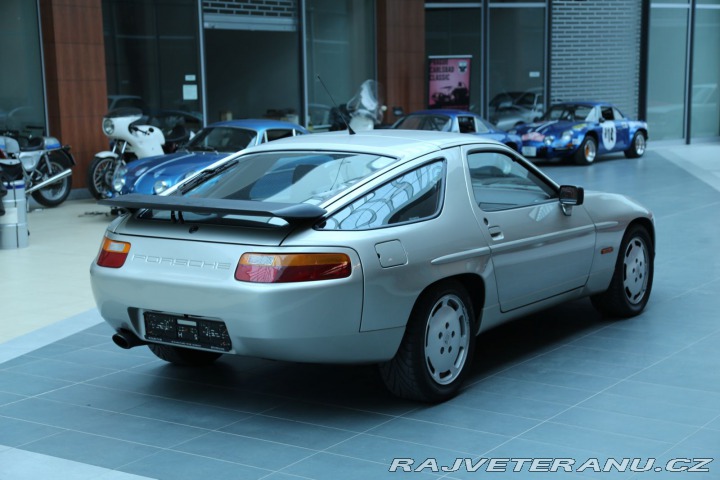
[(305, 322)]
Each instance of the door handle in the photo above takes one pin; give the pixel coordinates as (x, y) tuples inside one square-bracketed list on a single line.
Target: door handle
[(496, 233)]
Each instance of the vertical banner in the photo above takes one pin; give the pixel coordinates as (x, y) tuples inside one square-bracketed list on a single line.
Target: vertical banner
[(449, 81)]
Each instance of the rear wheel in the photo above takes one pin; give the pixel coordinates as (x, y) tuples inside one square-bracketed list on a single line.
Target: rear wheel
[(184, 356), (55, 193), (632, 280), (437, 347), (637, 146), (585, 155)]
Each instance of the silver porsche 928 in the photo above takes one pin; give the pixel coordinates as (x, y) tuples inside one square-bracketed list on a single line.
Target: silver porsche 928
[(392, 247)]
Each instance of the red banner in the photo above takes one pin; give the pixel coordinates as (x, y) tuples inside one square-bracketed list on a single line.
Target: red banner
[(449, 82)]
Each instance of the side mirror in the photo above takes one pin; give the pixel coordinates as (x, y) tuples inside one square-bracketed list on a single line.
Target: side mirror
[(571, 195)]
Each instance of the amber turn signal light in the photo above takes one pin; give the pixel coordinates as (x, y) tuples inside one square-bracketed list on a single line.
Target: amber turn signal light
[(113, 253)]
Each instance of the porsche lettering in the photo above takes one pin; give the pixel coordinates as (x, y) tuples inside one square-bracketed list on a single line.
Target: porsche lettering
[(181, 262)]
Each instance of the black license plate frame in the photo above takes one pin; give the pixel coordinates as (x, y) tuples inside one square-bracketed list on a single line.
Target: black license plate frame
[(187, 331)]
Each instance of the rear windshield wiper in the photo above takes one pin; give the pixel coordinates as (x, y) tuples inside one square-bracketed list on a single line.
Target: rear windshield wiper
[(205, 174)]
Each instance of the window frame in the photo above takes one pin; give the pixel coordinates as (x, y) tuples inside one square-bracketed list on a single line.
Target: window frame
[(546, 184)]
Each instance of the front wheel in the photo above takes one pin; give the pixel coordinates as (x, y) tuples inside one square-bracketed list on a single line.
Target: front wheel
[(436, 350), (183, 356), (100, 177), (637, 146), (632, 279), (55, 193), (585, 155)]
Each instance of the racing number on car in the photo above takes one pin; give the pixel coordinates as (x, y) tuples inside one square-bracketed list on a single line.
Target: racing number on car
[(609, 135)]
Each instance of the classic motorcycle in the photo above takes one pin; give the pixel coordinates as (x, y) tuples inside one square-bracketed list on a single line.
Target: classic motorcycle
[(130, 140), (42, 162)]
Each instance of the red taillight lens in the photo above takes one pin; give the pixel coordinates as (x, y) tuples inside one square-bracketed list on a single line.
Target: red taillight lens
[(113, 253), (298, 267)]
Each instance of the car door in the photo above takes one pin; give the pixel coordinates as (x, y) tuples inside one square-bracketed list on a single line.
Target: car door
[(614, 131), (539, 248)]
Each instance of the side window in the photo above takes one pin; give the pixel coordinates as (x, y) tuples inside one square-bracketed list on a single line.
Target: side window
[(607, 113), (500, 183), (466, 124), (412, 197), (618, 115), (277, 134)]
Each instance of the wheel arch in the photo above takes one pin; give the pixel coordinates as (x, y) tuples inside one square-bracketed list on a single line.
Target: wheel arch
[(648, 225), (474, 286)]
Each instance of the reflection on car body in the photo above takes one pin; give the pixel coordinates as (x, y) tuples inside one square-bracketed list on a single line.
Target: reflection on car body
[(459, 121), (388, 246), (154, 175)]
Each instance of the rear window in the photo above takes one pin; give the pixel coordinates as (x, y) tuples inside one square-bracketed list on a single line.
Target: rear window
[(290, 177)]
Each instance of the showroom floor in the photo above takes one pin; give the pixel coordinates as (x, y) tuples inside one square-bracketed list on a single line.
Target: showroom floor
[(564, 385)]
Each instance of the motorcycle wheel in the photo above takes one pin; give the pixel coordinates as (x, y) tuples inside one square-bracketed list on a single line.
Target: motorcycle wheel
[(56, 193), (100, 176)]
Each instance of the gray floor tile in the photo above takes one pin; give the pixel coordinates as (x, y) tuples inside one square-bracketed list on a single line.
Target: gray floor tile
[(624, 424), (535, 390), (247, 451), (91, 449), (6, 398), (650, 407), (479, 398), (289, 432), (102, 398), (350, 419), (610, 444), (56, 414), (186, 413), (58, 369), (473, 419), (325, 466), (16, 433), (441, 436), (169, 465), (22, 384), (383, 450)]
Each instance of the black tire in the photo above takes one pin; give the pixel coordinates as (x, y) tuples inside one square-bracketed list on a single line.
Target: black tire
[(184, 356), (632, 279), (637, 146), (442, 320), (99, 177), (586, 154), (56, 193)]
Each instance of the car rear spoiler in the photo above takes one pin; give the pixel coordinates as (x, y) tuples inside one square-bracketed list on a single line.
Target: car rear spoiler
[(175, 203)]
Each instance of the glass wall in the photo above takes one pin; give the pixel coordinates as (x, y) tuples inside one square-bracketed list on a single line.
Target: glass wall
[(152, 59), (517, 62), (22, 106), (340, 48), (705, 106), (457, 31), (667, 70)]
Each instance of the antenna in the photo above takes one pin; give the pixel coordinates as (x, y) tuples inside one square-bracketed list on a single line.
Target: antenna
[(352, 132)]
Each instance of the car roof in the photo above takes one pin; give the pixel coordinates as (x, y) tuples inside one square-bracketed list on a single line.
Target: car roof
[(585, 103), (442, 111), (257, 124), (387, 142)]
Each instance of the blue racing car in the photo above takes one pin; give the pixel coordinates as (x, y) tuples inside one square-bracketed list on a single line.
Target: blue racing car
[(582, 131), (153, 175)]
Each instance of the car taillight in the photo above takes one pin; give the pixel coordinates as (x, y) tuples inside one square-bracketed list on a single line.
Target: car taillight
[(296, 267), (113, 253)]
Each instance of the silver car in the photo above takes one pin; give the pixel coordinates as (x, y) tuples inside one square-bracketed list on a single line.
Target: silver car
[(388, 247)]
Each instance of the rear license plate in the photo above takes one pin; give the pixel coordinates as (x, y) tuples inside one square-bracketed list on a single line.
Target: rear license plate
[(529, 151), (187, 331)]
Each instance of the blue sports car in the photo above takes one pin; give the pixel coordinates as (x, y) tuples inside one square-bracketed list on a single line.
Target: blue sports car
[(458, 121), (153, 175), (582, 131)]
